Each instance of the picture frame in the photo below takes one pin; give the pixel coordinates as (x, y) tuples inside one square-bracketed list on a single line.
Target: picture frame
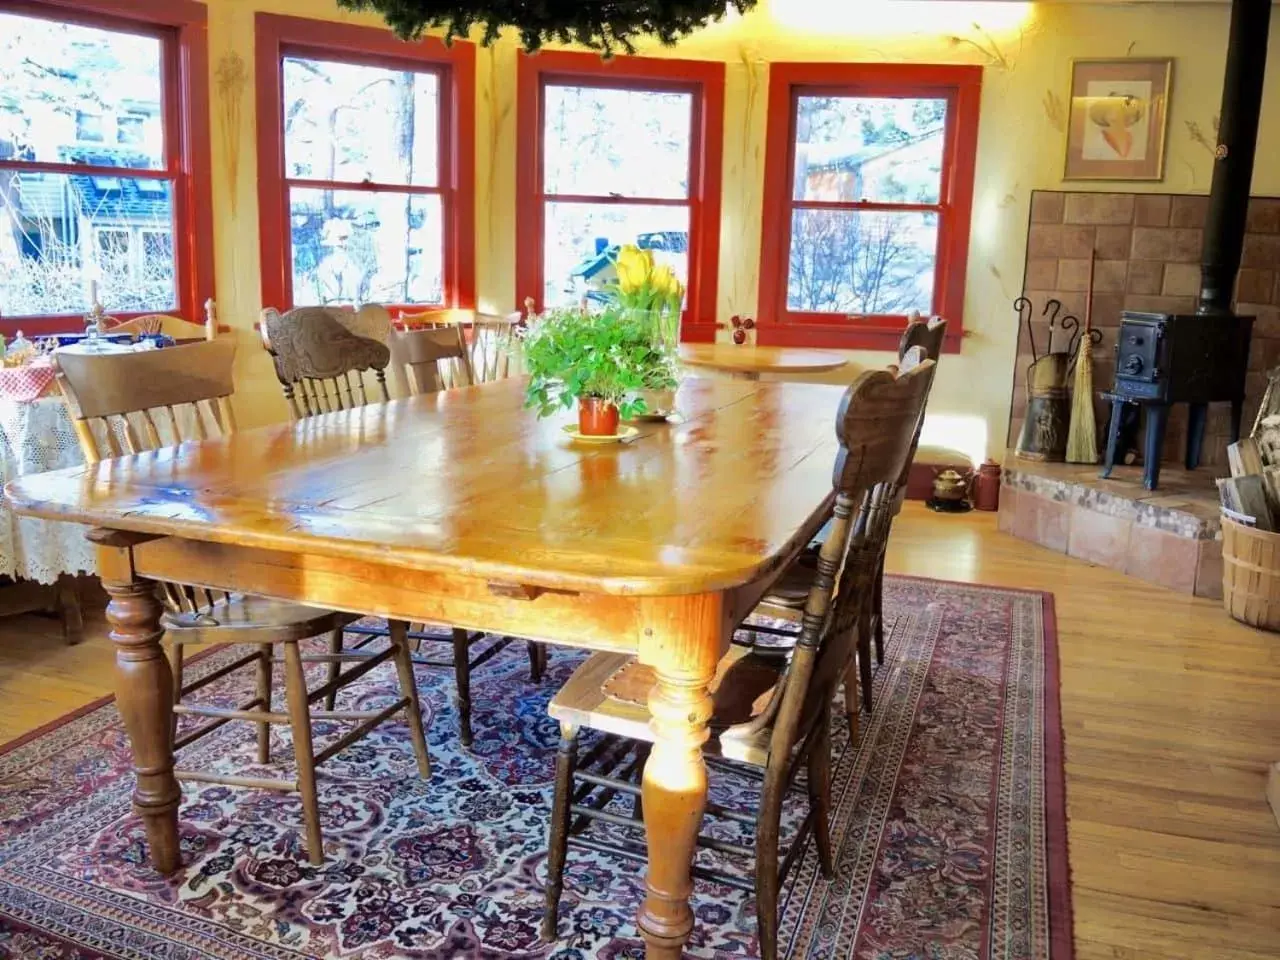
[(1118, 120)]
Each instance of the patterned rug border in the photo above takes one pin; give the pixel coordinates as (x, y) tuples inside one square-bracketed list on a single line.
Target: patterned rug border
[(1061, 921)]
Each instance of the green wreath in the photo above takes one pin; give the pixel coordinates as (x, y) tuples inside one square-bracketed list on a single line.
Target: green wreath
[(602, 25)]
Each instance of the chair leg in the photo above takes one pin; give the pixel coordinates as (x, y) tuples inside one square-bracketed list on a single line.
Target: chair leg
[(767, 827), (295, 688), (175, 666), (537, 660), (462, 679), (558, 844), (852, 709), (409, 688), (877, 612), (331, 671), (265, 658), (820, 793), (864, 658)]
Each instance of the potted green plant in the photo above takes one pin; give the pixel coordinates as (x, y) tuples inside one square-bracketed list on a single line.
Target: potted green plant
[(601, 361)]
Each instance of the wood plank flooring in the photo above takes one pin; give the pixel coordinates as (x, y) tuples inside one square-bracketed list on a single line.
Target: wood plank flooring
[(1171, 711)]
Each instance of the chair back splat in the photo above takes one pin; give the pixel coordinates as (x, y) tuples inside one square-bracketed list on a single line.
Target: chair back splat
[(320, 363)]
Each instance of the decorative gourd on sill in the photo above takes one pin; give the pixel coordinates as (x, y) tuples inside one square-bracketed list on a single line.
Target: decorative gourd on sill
[(602, 25)]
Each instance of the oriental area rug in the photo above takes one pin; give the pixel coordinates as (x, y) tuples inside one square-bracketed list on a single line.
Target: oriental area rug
[(948, 824)]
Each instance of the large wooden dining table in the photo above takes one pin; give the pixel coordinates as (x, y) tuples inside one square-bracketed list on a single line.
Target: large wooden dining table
[(463, 508)]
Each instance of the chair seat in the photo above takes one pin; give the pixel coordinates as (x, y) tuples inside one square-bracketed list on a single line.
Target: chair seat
[(792, 589), (610, 693), (244, 619)]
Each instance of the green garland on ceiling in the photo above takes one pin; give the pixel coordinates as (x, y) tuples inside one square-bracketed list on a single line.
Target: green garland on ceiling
[(602, 25)]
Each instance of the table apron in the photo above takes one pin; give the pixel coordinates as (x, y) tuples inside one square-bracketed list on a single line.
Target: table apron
[(684, 632)]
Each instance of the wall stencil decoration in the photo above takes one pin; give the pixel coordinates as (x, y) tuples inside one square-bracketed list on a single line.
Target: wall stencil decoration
[(1119, 112), (230, 77)]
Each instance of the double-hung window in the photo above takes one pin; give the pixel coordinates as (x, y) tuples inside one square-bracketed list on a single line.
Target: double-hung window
[(868, 190), (625, 151), (104, 188), (365, 157)]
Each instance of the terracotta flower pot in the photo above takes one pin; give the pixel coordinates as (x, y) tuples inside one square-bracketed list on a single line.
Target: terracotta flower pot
[(596, 417)]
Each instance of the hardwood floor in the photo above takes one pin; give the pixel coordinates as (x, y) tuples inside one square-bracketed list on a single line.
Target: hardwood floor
[(1171, 711)]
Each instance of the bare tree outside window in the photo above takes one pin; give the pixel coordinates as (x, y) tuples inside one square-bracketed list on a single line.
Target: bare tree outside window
[(91, 98), (863, 237), (349, 126)]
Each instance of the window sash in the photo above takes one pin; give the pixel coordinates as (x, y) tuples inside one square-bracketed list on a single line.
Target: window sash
[(173, 30), (444, 187)]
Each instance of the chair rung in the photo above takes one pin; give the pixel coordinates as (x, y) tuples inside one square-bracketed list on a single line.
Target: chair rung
[(354, 656), (257, 716), (638, 855), (253, 783), (350, 676), (344, 714), (218, 674), (198, 733), (352, 736)]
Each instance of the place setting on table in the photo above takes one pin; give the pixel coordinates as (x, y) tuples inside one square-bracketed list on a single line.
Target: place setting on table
[(609, 500)]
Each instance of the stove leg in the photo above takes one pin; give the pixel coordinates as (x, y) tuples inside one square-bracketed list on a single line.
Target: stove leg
[(1237, 414), (1197, 415), (1113, 437), (1157, 420)]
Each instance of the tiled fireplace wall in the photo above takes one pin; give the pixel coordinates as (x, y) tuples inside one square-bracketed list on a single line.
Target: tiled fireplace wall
[(1148, 248)]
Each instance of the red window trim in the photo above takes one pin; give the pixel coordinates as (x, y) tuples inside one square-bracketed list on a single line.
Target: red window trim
[(277, 35), (186, 117), (961, 85), (702, 77)]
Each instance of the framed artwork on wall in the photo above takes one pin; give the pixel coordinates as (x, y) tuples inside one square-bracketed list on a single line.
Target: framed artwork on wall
[(1119, 112)]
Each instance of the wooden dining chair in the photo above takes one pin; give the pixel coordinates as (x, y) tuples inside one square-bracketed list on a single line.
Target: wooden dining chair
[(321, 365), (170, 326), (429, 359), (123, 403), (771, 708), (493, 343), (785, 600)]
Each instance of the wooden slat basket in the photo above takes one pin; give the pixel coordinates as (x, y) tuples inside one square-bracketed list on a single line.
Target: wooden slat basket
[(1251, 574)]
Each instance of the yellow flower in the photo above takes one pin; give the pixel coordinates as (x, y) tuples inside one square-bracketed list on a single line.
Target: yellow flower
[(633, 268)]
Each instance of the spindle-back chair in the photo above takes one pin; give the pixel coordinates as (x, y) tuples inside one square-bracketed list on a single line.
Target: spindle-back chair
[(771, 708), (320, 363), (493, 344), (130, 403)]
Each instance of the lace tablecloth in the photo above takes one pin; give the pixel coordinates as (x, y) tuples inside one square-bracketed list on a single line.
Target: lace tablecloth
[(38, 436)]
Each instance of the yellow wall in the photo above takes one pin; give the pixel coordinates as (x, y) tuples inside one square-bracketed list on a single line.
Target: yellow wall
[(1025, 48)]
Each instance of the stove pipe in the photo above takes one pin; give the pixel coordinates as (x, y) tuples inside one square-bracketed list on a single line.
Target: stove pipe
[(1233, 165)]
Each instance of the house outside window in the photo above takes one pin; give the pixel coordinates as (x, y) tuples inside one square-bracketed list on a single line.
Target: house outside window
[(627, 152), (76, 194), (868, 190), (361, 194)]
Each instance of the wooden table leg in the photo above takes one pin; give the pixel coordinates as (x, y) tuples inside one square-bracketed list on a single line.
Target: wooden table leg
[(674, 787), (144, 693)]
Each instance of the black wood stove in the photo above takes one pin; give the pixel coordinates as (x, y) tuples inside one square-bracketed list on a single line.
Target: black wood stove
[(1167, 358), (1202, 357)]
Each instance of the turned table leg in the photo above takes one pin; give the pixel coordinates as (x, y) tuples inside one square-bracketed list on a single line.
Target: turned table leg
[(144, 697), (674, 787)]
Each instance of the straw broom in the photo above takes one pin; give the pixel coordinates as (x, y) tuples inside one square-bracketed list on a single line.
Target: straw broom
[(1082, 434)]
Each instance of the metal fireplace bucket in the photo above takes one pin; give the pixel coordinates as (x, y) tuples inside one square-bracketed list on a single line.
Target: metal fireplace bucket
[(1048, 417)]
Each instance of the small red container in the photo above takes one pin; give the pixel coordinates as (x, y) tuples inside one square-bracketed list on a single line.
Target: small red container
[(986, 486), (596, 418)]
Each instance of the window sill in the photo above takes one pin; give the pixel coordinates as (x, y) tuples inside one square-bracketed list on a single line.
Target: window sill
[(843, 336)]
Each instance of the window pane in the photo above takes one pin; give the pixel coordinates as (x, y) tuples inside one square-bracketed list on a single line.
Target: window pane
[(357, 247), (629, 143), (581, 240), (50, 224), (346, 121), (862, 262), (66, 91), (862, 148)]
